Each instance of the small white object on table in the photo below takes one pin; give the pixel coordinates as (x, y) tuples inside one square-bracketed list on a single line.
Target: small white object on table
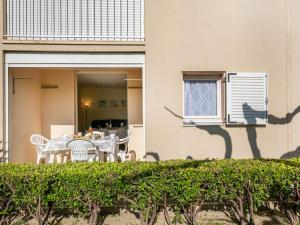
[(106, 144), (112, 131)]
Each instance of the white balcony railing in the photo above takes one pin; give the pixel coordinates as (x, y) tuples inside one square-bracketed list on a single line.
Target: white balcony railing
[(77, 20)]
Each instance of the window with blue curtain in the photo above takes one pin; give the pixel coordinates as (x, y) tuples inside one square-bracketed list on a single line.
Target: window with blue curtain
[(200, 98)]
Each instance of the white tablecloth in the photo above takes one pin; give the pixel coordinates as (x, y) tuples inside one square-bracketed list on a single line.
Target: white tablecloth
[(106, 144)]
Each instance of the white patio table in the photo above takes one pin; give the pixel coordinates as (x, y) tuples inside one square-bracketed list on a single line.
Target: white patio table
[(59, 146)]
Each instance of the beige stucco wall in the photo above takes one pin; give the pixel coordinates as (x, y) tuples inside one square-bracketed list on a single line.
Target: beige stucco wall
[(135, 106), (2, 153), (25, 113), (136, 142), (294, 72), (58, 105), (230, 35), (135, 97)]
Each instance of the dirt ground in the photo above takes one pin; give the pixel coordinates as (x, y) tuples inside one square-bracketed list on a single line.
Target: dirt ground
[(204, 218)]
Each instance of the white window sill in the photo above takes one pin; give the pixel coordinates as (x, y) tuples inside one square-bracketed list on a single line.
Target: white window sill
[(202, 122)]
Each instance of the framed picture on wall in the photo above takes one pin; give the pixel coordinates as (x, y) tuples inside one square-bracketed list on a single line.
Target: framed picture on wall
[(114, 103), (102, 103), (124, 103)]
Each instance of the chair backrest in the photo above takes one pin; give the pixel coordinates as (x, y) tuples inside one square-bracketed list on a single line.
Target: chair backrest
[(79, 149), (122, 132), (124, 141), (39, 141)]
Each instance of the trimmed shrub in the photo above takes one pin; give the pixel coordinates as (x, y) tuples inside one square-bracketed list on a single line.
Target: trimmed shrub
[(239, 187), (243, 186), (29, 191), (186, 190), (286, 190)]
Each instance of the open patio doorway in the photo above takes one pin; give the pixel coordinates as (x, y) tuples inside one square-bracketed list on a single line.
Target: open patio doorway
[(110, 99), (41, 90), (45, 99)]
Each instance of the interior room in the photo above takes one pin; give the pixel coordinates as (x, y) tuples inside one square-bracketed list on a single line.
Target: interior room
[(109, 99), (48, 100), (102, 100)]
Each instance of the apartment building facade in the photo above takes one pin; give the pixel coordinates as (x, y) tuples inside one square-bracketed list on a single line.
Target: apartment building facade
[(215, 79)]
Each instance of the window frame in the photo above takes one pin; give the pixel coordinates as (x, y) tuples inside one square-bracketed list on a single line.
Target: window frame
[(204, 120)]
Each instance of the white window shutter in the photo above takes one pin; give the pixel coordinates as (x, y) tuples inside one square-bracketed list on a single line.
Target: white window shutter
[(246, 98)]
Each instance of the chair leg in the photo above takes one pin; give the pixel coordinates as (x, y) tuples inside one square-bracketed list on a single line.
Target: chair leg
[(123, 156), (67, 157), (59, 158), (108, 158), (111, 158), (51, 158), (38, 159), (97, 157), (102, 156)]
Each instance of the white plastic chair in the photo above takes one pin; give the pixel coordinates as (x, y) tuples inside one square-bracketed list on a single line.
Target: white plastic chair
[(80, 150), (123, 154), (40, 143)]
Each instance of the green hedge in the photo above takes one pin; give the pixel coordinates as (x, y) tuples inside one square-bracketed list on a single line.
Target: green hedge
[(238, 187)]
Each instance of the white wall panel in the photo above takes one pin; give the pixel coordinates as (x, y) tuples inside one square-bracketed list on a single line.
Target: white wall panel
[(102, 20)]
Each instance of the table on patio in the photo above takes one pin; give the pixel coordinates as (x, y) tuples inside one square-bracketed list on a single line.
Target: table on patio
[(58, 146)]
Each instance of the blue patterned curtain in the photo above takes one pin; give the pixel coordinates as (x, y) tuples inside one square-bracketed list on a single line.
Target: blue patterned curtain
[(200, 98)]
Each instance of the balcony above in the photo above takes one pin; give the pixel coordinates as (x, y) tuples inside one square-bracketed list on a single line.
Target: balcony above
[(75, 20)]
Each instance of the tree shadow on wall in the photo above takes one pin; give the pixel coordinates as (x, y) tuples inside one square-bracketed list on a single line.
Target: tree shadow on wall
[(189, 157), (250, 129), (212, 130), (273, 120), (292, 154), (153, 156), (285, 120)]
